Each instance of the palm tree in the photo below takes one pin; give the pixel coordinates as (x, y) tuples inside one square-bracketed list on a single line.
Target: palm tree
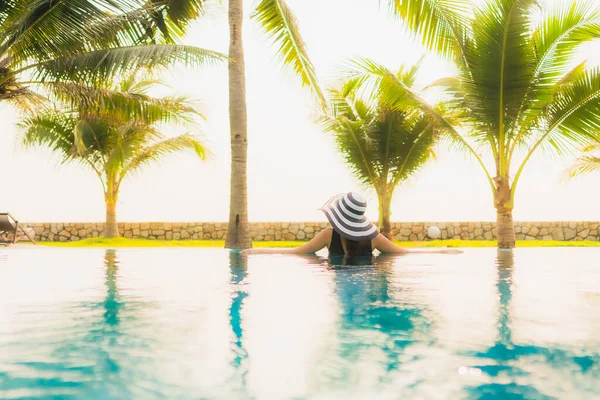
[(113, 141), (47, 43), (516, 81), (278, 22), (383, 145)]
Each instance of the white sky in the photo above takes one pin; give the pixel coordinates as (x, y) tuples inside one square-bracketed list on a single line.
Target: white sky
[(293, 166)]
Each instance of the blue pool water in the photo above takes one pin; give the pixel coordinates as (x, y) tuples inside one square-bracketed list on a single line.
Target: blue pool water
[(207, 324)]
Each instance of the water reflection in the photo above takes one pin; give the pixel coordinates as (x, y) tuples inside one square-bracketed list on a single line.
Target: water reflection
[(378, 321), (114, 347), (238, 266), (505, 263), (512, 364), (76, 347), (282, 316), (109, 331), (101, 345), (191, 324), (112, 301)]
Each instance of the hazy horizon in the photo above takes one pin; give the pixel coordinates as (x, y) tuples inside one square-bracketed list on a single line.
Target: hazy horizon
[(293, 166)]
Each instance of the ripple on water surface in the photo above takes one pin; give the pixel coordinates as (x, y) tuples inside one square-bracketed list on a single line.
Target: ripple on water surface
[(204, 323)]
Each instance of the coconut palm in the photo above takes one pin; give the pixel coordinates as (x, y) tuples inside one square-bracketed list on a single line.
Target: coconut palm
[(384, 146), (278, 22), (113, 142), (516, 80), (47, 43)]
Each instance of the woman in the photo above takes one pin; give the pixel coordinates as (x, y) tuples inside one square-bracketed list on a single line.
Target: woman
[(351, 233)]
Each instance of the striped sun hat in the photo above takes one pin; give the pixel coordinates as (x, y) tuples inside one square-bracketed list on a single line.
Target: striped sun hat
[(346, 214)]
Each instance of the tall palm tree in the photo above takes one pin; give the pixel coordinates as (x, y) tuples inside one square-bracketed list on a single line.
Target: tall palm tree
[(516, 81), (113, 141), (278, 22), (383, 145), (46, 43)]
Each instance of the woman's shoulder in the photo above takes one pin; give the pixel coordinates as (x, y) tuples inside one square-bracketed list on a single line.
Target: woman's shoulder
[(384, 245), (378, 238), (326, 233)]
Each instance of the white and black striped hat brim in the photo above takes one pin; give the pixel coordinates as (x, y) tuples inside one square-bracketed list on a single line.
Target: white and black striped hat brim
[(346, 214)]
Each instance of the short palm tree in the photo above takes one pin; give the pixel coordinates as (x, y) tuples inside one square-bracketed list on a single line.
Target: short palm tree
[(383, 145), (111, 142), (278, 22), (516, 81), (45, 44)]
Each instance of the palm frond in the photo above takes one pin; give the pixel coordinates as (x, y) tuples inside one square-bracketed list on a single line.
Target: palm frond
[(44, 28), (155, 151), (382, 145), (171, 17), (397, 94), (279, 22), (122, 106), (51, 130), (101, 65), (112, 132), (441, 25), (573, 112), (134, 84), (502, 65), (571, 118), (21, 96), (585, 164), (47, 129), (356, 147), (564, 28), (517, 83)]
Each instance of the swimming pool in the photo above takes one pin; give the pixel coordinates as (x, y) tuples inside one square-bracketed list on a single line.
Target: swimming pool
[(206, 324)]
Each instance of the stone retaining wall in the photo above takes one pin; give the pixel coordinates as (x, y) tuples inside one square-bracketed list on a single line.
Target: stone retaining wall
[(57, 231)]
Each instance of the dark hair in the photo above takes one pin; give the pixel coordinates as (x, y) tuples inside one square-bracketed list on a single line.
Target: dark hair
[(358, 248)]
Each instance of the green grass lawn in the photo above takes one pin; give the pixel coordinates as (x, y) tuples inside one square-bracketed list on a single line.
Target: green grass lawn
[(123, 242)]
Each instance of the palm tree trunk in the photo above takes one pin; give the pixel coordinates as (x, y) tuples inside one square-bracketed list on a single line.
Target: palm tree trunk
[(385, 203), (238, 235), (505, 227), (111, 228)]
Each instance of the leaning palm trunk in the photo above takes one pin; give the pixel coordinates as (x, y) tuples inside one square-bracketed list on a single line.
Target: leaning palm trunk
[(385, 202), (238, 236)]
